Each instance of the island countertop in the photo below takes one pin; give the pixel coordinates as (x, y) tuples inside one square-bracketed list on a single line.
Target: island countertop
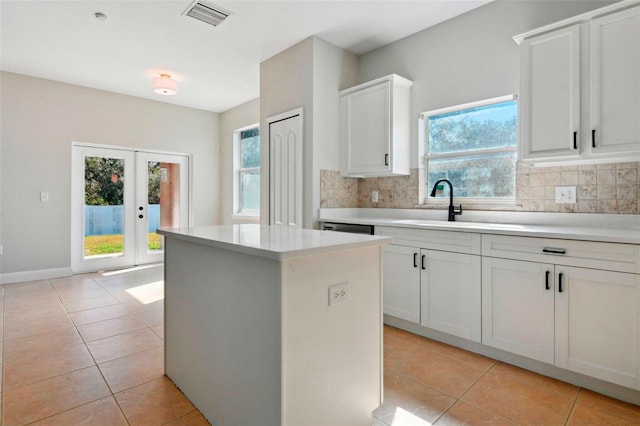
[(273, 242)]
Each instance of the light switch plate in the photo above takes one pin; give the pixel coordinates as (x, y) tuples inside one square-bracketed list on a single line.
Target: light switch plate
[(374, 196), (339, 293), (565, 194)]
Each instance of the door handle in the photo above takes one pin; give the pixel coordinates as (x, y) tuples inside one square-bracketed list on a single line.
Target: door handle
[(140, 208), (593, 138), (575, 140), (386, 159), (560, 282), (546, 278), (140, 216), (423, 259), (415, 260)]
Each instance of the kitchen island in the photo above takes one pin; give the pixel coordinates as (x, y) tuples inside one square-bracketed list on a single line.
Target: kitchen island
[(275, 325)]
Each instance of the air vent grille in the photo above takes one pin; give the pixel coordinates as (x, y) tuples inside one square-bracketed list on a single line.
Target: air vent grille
[(207, 12)]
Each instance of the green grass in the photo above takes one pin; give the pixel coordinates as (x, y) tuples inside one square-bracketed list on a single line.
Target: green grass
[(109, 244)]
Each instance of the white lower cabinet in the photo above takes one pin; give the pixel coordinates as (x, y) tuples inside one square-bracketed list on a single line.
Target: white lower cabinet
[(436, 289), (402, 282), (584, 320), (597, 330), (450, 293), (518, 307)]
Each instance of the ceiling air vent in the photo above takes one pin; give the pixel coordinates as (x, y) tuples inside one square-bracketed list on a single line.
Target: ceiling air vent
[(207, 12)]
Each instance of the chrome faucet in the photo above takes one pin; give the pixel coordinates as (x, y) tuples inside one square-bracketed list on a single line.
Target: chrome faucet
[(452, 210)]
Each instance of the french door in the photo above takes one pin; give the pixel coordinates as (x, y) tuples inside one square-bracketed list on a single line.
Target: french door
[(119, 199)]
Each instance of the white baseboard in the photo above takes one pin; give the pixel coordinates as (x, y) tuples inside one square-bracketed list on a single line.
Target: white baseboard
[(40, 274)]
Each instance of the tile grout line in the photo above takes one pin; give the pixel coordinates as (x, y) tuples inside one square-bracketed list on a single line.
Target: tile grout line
[(96, 365)]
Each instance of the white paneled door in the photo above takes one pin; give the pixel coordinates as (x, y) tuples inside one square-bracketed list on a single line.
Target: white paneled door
[(285, 170), (120, 198)]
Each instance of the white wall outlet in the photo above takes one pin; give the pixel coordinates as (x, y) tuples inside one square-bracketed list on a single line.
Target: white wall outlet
[(44, 197), (565, 194), (339, 293), (374, 196)]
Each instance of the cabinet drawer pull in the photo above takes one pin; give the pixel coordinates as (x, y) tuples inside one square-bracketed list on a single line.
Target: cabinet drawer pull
[(560, 282), (554, 250), (546, 279), (415, 260), (423, 259), (386, 159), (575, 140), (593, 138)]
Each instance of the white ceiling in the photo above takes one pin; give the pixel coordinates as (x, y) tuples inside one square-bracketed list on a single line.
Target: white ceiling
[(217, 68)]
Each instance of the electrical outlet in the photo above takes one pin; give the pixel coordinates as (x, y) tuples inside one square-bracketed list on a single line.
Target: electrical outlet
[(374, 196), (565, 194), (339, 293)]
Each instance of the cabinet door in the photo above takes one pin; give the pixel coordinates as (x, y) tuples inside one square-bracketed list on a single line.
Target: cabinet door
[(615, 83), (366, 133), (549, 108), (518, 307), (402, 282), (598, 324), (450, 293)]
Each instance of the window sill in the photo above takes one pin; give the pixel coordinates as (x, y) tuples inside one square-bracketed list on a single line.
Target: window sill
[(245, 218), (499, 206)]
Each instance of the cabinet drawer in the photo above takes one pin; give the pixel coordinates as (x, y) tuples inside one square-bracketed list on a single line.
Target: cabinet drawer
[(587, 254), (458, 242)]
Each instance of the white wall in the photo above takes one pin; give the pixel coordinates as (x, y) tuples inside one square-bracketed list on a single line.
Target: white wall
[(40, 120), (236, 118), (468, 58)]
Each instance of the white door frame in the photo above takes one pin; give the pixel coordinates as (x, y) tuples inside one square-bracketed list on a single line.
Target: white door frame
[(267, 218), (143, 255), (80, 149)]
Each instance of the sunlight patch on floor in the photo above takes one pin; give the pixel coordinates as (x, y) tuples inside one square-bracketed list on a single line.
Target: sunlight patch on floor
[(404, 418), (148, 293)]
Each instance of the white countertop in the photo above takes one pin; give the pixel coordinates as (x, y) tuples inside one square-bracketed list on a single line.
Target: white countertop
[(273, 242), (574, 226)]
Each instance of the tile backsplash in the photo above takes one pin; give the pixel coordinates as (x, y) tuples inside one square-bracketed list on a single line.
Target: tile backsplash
[(602, 188)]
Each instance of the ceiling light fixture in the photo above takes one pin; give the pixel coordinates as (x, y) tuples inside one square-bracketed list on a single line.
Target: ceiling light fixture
[(165, 85)]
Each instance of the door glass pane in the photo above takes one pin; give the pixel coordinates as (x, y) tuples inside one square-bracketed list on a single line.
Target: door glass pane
[(163, 204), (103, 206)]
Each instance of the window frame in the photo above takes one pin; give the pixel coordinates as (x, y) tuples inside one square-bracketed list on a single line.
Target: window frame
[(238, 170), (423, 135)]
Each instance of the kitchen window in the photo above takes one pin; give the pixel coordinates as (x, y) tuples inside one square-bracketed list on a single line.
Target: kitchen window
[(474, 146), (246, 185)]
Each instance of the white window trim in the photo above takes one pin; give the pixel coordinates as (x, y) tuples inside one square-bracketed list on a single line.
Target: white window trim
[(237, 213), (425, 157)]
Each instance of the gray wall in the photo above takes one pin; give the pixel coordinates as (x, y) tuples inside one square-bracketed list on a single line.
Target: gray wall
[(236, 118), (286, 83), (468, 58), (40, 120), (308, 75)]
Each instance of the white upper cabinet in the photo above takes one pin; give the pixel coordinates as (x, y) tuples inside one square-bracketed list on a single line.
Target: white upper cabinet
[(550, 95), (374, 128), (580, 89), (615, 84)]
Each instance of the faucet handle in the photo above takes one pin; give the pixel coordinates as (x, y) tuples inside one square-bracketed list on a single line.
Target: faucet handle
[(459, 212)]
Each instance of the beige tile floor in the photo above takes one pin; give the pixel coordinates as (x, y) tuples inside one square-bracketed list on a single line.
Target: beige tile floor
[(88, 350), (427, 382)]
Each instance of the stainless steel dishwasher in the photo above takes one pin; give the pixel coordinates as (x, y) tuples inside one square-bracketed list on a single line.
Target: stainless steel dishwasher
[(347, 227)]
